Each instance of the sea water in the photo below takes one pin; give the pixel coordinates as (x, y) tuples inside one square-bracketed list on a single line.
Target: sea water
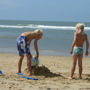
[(57, 38)]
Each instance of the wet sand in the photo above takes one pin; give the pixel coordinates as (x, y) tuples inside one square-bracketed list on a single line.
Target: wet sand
[(52, 73)]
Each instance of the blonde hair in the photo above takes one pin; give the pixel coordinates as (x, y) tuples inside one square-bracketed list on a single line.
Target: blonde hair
[(39, 31), (80, 25)]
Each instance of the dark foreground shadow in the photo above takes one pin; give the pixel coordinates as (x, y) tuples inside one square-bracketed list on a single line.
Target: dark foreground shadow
[(87, 77), (44, 71)]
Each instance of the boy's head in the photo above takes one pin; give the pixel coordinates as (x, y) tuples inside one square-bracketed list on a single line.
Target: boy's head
[(80, 27), (39, 33)]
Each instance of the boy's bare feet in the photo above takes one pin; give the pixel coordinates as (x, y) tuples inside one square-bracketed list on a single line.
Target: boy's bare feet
[(28, 73), (79, 77), (70, 78)]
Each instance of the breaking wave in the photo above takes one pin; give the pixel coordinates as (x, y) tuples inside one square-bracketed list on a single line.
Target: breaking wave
[(42, 27)]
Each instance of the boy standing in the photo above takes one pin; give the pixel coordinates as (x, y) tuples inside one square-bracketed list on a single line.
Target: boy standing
[(23, 45), (77, 49)]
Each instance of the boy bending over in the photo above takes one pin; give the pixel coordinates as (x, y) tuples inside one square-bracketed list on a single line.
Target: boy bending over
[(23, 45)]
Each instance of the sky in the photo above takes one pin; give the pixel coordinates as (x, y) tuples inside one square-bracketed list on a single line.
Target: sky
[(45, 10)]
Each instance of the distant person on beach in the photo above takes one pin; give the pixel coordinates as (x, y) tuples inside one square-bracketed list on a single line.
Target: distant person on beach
[(77, 49), (23, 45)]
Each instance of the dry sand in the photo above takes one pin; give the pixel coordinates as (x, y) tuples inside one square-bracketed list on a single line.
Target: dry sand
[(52, 73)]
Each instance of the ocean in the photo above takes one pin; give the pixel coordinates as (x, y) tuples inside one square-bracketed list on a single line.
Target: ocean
[(57, 39)]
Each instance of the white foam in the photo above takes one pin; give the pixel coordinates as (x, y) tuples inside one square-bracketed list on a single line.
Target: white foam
[(42, 27)]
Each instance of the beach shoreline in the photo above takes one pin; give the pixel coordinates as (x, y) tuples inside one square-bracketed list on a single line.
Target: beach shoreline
[(58, 68)]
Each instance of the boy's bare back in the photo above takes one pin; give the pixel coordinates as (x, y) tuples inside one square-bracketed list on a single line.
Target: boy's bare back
[(29, 35), (79, 39)]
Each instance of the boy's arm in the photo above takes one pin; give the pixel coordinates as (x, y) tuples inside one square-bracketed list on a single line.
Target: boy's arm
[(36, 48), (74, 41), (87, 45)]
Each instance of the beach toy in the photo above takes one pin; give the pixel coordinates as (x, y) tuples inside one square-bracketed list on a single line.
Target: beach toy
[(20, 73), (35, 62), (23, 76), (29, 78), (1, 73)]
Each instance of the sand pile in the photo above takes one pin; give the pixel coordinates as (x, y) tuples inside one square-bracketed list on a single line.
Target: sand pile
[(42, 71)]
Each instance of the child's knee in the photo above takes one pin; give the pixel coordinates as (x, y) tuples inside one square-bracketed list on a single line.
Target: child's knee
[(21, 57), (80, 66)]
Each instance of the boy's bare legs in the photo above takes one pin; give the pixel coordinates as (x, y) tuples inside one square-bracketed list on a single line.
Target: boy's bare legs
[(29, 72), (73, 66), (20, 63), (80, 66)]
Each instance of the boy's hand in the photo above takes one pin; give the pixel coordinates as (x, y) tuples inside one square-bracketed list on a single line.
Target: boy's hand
[(30, 56), (86, 53), (71, 52), (36, 56)]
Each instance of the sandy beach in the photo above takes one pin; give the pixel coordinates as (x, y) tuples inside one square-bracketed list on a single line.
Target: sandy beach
[(52, 73)]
